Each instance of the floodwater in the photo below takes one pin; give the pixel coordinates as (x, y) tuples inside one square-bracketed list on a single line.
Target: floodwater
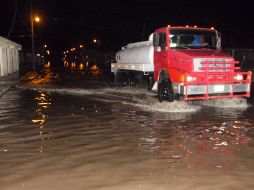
[(62, 135)]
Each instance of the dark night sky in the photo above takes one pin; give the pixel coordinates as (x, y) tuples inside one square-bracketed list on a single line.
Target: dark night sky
[(67, 23)]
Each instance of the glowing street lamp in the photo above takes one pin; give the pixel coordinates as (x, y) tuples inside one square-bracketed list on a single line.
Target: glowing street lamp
[(34, 19), (37, 20), (97, 41)]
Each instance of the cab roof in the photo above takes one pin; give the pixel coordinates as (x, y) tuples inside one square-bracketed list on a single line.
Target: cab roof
[(188, 27)]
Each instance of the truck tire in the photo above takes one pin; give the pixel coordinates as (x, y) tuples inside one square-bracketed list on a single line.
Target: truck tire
[(150, 82), (165, 91), (116, 79), (121, 78)]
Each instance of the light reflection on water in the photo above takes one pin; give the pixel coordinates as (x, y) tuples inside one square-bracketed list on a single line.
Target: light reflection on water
[(43, 103), (51, 141)]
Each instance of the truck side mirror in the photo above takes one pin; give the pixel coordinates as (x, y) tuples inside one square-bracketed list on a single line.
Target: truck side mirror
[(218, 45)]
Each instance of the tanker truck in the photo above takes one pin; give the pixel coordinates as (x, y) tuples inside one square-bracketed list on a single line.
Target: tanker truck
[(182, 63)]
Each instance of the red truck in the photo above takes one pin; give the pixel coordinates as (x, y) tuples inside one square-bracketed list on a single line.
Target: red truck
[(182, 63)]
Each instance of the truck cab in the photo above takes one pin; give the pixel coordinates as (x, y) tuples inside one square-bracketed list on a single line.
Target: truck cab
[(189, 63)]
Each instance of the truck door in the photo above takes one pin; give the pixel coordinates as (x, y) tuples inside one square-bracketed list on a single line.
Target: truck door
[(160, 53)]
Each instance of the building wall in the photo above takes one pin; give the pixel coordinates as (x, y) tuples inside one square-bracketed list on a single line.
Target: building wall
[(9, 57)]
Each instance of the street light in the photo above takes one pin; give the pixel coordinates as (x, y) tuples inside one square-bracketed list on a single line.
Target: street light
[(33, 19), (97, 41), (37, 20)]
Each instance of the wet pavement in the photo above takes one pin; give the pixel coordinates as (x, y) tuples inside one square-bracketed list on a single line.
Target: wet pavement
[(70, 132), (7, 82)]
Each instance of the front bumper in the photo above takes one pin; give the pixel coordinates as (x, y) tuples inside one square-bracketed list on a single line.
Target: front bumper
[(207, 85), (214, 89)]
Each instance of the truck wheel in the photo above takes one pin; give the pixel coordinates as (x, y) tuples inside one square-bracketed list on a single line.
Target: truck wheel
[(150, 83), (118, 78), (165, 91)]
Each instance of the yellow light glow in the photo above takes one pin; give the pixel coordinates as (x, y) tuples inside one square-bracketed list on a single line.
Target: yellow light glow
[(81, 66), (94, 68), (73, 65), (45, 46), (81, 46), (40, 121), (212, 28), (182, 78), (95, 40), (43, 103), (47, 65), (37, 19), (66, 64)]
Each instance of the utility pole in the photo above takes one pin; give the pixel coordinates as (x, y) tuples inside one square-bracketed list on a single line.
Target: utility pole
[(32, 31)]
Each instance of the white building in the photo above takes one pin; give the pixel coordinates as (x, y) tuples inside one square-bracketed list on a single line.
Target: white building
[(9, 56)]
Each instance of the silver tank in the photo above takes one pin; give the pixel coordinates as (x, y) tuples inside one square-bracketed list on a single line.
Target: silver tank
[(135, 56)]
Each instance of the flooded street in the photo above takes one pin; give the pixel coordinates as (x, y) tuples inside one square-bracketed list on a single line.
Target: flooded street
[(67, 133)]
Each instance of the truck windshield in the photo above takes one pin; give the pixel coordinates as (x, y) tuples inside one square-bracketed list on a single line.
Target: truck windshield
[(192, 39)]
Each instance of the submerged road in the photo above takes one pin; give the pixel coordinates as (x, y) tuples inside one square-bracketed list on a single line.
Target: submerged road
[(68, 132)]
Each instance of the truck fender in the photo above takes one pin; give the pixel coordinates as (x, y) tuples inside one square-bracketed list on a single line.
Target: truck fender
[(163, 75)]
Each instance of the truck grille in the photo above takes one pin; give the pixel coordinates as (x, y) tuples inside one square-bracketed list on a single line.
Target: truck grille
[(214, 65)]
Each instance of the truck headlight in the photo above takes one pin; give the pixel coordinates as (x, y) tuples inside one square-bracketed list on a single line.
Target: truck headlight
[(190, 78), (238, 77)]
